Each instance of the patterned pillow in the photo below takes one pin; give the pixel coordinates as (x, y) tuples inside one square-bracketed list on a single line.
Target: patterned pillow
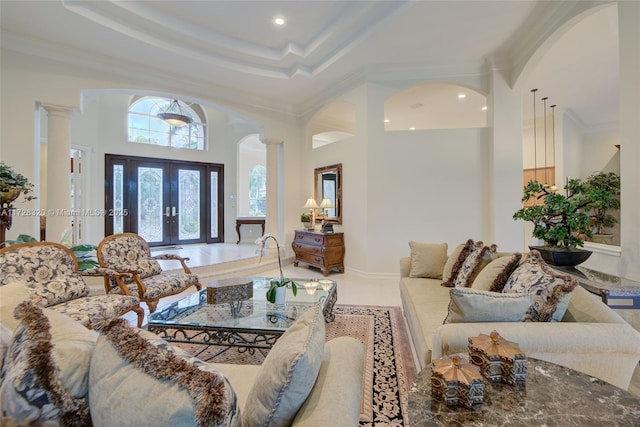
[(470, 305), (45, 372), (150, 267), (288, 373), (138, 379), (454, 262), (427, 259), (47, 270), (479, 256), (496, 273), (552, 290)]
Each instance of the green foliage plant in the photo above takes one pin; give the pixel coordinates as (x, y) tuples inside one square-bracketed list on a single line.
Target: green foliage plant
[(605, 186), (305, 217), (12, 180), (561, 219)]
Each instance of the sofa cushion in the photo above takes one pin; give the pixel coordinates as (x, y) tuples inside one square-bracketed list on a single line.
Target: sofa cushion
[(45, 374), (427, 259), (495, 274), (137, 378), (471, 305), (552, 289), (454, 262), (288, 373), (479, 256)]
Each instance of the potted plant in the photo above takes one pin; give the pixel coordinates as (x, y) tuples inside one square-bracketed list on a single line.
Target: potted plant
[(277, 288), (606, 187), (12, 184), (560, 221), (306, 219)]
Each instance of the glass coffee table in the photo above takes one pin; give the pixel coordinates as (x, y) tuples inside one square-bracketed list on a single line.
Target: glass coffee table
[(234, 313)]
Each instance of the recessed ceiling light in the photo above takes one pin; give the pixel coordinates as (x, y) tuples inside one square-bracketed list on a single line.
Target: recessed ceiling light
[(412, 128), (279, 21), (462, 95), (387, 120), (484, 108)]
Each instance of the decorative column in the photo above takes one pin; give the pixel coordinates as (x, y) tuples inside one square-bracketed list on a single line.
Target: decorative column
[(505, 173), (275, 206), (58, 171)]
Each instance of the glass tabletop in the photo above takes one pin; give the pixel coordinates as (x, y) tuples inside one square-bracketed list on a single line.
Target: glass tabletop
[(241, 303)]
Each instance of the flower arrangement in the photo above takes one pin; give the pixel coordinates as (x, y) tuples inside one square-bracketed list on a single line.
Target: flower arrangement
[(12, 184), (275, 283)]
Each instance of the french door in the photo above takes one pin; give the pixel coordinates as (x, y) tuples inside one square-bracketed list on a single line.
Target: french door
[(164, 201)]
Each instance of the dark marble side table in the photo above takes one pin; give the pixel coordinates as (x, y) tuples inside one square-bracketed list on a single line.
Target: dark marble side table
[(551, 396)]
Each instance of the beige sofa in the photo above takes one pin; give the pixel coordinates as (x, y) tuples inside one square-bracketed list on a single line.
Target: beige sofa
[(591, 337), (124, 376)]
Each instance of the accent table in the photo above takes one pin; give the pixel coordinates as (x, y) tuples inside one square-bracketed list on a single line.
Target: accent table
[(552, 395), (248, 220)]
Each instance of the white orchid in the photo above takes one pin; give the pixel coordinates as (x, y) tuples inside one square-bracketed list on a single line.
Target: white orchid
[(271, 293)]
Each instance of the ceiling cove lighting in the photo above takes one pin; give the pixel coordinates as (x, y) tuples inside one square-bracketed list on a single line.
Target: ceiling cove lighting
[(484, 108), (174, 116), (387, 120), (462, 95)]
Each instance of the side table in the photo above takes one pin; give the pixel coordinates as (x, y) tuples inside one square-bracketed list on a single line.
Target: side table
[(250, 220), (551, 395)]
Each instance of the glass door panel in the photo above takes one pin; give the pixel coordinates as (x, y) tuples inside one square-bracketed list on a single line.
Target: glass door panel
[(213, 198), (189, 205), (150, 204)]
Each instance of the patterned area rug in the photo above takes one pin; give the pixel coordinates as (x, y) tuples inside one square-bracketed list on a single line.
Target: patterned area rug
[(389, 366)]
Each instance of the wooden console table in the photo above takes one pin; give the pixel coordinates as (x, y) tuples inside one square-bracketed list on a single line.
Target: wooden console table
[(322, 250), (248, 220)]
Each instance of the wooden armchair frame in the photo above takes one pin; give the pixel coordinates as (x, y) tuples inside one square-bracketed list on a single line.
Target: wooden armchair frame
[(123, 272)]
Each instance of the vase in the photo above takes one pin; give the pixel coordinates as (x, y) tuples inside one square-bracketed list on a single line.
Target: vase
[(562, 256), (281, 294), (9, 195)]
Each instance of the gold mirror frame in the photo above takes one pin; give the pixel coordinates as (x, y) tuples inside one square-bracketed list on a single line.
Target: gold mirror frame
[(328, 174)]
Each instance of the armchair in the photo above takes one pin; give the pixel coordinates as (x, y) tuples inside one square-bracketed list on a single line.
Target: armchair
[(50, 271), (135, 269)]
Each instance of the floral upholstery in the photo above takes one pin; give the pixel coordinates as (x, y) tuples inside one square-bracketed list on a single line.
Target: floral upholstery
[(49, 270), (130, 253), (92, 310)]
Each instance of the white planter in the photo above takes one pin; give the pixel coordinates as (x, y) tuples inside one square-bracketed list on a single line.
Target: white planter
[(281, 294)]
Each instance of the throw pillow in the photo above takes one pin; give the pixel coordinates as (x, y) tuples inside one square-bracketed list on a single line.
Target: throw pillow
[(496, 273), (470, 305), (11, 295), (44, 375), (427, 259), (288, 373), (479, 256), (552, 290), (137, 378), (454, 262)]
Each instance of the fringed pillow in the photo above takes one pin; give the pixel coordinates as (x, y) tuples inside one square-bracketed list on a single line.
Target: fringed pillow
[(479, 257), (552, 289), (454, 262), (44, 375), (138, 378), (494, 276)]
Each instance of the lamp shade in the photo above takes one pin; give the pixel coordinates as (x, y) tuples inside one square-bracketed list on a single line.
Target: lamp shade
[(326, 203), (174, 116), (311, 203)]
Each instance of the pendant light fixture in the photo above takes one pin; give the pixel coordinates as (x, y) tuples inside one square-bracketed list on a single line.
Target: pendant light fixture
[(174, 115)]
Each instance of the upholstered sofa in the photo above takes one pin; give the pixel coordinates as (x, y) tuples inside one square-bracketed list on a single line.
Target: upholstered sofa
[(57, 372), (590, 337)]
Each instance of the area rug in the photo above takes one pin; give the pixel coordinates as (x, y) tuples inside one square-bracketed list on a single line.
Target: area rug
[(389, 365)]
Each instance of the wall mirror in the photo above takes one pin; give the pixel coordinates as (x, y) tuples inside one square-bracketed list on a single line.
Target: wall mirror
[(328, 189)]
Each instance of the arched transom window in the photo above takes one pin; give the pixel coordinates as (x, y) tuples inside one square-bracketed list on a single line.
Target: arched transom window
[(145, 127)]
